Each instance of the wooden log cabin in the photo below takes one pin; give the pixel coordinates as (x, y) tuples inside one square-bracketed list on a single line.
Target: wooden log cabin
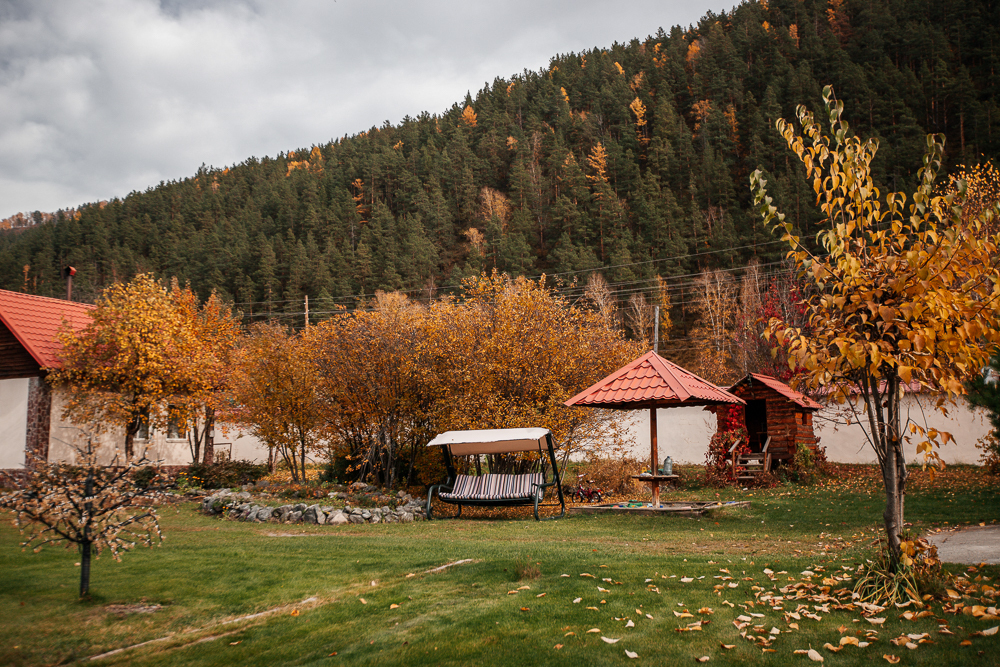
[(776, 411)]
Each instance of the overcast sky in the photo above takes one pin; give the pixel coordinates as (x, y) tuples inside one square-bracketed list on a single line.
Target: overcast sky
[(104, 97)]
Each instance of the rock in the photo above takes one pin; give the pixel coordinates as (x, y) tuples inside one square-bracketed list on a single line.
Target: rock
[(338, 519), (375, 519), (366, 515), (406, 517), (356, 518), (264, 514), (312, 514), (299, 507), (293, 517)]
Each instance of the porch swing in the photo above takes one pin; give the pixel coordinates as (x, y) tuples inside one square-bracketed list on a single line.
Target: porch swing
[(508, 481)]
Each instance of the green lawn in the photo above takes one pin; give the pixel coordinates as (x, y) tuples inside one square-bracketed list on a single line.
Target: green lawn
[(210, 571)]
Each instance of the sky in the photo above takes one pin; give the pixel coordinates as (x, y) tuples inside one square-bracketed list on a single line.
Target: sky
[(105, 97)]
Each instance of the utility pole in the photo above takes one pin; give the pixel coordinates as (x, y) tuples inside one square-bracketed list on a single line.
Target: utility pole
[(307, 311), (656, 337)]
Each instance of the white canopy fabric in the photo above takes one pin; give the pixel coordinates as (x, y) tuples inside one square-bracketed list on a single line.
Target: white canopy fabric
[(493, 441)]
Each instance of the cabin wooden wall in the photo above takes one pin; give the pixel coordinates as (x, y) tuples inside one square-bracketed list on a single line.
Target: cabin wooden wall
[(787, 422)]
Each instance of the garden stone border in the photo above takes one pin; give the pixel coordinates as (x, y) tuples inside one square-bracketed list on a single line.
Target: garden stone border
[(240, 507)]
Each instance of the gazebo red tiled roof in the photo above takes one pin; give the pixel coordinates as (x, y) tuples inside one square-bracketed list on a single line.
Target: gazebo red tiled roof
[(652, 381), (34, 322)]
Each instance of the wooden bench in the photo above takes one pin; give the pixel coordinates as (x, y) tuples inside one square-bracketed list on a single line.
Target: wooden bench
[(491, 490)]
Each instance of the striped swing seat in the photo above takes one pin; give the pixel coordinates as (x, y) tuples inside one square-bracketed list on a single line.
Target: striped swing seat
[(494, 488)]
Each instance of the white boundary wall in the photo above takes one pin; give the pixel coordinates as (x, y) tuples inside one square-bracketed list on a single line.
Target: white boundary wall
[(684, 433), (13, 422)]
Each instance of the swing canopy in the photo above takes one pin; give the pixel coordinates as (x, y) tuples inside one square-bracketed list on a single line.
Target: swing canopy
[(493, 441)]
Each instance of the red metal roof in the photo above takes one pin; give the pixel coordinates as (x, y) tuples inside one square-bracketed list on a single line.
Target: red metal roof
[(35, 321), (780, 387), (652, 381)]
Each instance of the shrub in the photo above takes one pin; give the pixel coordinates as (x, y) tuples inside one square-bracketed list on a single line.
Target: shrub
[(613, 475), (989, 445), (807, 465), (719, 470), (142, 477), (225, 474)]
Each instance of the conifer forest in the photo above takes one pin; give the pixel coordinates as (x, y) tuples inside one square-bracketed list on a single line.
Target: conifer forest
[(631, 161)]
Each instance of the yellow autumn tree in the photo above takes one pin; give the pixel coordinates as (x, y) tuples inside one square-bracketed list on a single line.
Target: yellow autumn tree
[(511, 351), (273, 395), (140, 360), (904, 291)]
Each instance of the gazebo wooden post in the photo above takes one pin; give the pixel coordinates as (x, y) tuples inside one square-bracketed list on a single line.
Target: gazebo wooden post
[(654, 484)]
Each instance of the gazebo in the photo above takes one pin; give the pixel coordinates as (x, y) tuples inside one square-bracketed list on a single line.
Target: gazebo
[(652, 382)]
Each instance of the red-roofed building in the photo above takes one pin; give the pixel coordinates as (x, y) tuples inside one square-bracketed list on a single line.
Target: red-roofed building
[(28, 346), (776, 411)]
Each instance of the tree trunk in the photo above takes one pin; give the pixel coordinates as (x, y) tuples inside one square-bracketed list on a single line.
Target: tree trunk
[(84, 568), (893, 471), (209, 450)]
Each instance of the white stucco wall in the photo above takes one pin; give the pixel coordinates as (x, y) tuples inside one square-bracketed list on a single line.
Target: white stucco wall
[(847, 443), (13, 422)]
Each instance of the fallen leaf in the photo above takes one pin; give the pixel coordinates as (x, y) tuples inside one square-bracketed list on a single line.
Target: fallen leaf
[(892, 659), (687, 580), (563, 575), (910, 645), (593, 630), (630, 624), (965, 642), (235, 643), (587, 574), (525, 609), (594, 608), (603, 590), (557, 646), (608, 640), (540, 595), (683, 614), (363, 601), (990, 632), (631, 654), (875, 621), (577, 600), (649, 616), (703, 658), (706, 610), (569, 634), (295, 612), (524, 588), (849, 640), (814, 655), (830, 647)]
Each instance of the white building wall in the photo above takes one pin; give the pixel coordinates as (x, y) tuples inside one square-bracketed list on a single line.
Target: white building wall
[(63, 435), (13, 422)]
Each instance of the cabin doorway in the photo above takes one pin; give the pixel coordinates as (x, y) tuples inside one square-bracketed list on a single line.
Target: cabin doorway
[(756, 420)]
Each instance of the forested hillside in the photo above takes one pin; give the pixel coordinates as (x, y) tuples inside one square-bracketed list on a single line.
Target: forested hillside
[(633, 159)]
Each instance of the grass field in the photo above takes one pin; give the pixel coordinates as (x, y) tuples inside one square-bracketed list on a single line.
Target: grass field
[(362, 595)]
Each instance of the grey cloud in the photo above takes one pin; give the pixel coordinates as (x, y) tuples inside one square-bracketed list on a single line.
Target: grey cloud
[(105, 97)]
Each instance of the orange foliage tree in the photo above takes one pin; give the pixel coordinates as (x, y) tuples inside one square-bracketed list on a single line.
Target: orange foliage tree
[(273, 394), (505, 354), (148, 356)]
